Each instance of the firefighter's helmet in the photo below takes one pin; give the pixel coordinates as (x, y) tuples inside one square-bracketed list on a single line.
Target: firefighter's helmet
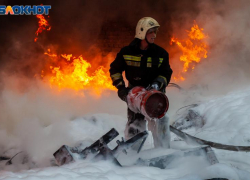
[(143, 25)]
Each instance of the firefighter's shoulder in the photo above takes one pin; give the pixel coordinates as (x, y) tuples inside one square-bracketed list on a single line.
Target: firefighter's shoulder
[(125, 49), (159, 49)]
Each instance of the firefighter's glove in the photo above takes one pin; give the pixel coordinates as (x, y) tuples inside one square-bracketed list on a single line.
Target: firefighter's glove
[(155, 85), (122, 93)]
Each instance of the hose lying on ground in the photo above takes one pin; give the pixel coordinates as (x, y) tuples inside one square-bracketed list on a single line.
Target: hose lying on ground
[(191, 139)]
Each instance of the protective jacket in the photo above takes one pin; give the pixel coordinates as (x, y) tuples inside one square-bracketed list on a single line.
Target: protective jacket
[(142, 67)]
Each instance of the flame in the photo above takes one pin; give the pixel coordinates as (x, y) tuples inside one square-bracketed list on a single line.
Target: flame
[(72, 73), (193, 49), (66, 71), (42, 25), (49, 54)]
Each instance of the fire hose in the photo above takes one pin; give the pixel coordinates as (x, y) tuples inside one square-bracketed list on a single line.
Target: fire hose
[(191, 139)]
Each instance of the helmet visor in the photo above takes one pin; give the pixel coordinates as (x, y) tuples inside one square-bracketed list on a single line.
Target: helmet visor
[(153, 30)]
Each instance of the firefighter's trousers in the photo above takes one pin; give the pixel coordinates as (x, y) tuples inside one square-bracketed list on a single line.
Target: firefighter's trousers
[(159, 128)]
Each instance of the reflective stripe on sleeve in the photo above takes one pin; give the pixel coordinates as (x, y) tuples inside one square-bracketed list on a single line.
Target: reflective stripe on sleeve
[(116, 76), (160, 62), (164, 79)]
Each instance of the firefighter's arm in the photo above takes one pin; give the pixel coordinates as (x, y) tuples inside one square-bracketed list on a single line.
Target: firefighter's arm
[(165, 72), (116, 69)]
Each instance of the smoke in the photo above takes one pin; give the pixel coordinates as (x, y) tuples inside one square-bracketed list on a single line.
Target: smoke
[(227, 65), (29, 107), (226, 68), (75, 30), (36, 120)]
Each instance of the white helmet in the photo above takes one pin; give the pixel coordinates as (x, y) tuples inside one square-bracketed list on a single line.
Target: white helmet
[(143, 25)]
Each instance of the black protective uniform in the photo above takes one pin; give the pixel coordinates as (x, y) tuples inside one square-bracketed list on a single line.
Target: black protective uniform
[(142, 67)]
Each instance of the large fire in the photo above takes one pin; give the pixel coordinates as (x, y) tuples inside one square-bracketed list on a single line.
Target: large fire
[(67, 71), (72, 72), (193, 49)]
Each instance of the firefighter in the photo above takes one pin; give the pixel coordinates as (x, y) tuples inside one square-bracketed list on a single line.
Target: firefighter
[(145, 64)]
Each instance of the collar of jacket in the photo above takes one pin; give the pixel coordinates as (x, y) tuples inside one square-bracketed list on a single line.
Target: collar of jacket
[(135, 44)]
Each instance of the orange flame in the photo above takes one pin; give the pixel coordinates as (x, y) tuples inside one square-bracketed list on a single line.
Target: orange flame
[(73, 74), (193, 49), (43, 25)]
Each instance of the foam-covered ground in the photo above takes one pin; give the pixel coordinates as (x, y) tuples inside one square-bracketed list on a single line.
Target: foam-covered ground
[(226, 121)]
